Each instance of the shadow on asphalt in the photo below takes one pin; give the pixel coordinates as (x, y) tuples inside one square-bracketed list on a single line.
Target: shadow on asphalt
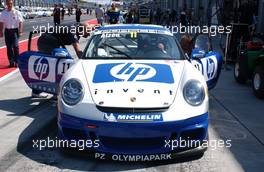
[(20, 107)]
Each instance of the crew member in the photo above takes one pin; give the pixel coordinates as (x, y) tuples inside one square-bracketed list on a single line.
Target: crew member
[(63, 36), (113, 14), (62, 14), (12, 20), (99, 13), (56, 15), (187, 44), (78, 15)]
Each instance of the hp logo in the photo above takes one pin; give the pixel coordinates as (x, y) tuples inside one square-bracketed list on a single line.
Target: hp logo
[(133, 72), (210, 68), (41, 68)]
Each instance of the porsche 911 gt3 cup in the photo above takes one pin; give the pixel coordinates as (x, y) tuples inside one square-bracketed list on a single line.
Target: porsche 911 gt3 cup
[(133, 91)]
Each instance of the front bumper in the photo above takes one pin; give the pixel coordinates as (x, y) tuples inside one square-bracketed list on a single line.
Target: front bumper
[(136, 138)]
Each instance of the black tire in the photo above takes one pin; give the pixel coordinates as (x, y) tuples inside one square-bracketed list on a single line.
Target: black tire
[(240, 70), (258, 82)]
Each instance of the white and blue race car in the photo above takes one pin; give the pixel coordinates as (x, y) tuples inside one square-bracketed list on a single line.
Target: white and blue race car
[(134, 92)]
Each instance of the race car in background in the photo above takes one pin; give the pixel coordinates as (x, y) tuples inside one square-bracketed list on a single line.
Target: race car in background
[(134, 91)]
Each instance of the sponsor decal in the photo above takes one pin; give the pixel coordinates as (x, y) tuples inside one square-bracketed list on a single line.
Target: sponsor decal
[(112, 117), (43, 87), (134, 158), (64, 65), (133, 72), (42, 68), (126, 90), (111, 35), (210, 68), (207, 66)]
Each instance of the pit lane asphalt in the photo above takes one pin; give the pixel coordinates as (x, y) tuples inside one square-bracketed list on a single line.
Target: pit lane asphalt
[(234, 114)]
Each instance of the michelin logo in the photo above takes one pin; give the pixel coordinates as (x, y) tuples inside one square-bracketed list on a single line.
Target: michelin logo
[(41, 68), (133, 117), (133, 72)]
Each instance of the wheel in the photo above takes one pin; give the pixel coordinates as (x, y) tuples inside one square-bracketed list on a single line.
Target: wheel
[(258, 82), (240, 70)]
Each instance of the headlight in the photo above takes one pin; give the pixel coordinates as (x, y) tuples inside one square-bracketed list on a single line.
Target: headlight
[(72, 92), (194, 93)]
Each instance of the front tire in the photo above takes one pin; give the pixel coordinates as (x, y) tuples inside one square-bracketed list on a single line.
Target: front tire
[(258, 82), (240, 70)]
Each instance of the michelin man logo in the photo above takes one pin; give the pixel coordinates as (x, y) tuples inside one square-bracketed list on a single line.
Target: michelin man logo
[(110, 117), (42, 68)]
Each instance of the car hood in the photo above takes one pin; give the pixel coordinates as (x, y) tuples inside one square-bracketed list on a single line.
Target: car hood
[(133, 83)]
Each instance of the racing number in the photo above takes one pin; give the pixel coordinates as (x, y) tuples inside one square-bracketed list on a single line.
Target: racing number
[(133, 35), (65, 67)]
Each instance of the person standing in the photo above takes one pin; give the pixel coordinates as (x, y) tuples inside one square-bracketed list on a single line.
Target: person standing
[(113, 14), (56, 15), (88, 11), (91, 11), (12, 20), (99, 13), (62, 14), (69, 11), (78, 15)]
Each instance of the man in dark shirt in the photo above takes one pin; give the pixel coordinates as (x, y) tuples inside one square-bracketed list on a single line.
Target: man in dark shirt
[(63, 35), (62, 14), (113, 14), (56, 15), (78, 15)]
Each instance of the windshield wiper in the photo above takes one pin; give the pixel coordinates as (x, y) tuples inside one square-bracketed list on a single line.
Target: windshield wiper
[(121, 52), (124, 44)]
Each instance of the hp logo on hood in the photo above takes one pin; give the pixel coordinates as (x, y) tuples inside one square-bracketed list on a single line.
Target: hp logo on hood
[(133, 72)]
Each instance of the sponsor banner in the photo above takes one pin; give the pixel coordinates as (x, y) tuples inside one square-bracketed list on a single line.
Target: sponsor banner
[(112, 117), (207, 66)]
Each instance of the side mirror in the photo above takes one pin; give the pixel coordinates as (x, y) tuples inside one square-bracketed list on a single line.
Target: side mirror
[(61, 53), (198, 54)]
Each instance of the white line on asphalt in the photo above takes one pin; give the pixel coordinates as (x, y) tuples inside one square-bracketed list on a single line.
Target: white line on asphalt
[(8, 75)]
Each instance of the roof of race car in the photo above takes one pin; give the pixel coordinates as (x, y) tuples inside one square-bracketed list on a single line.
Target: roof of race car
[(138, 27)]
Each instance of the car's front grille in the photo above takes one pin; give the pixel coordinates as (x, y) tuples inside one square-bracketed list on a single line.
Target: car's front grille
[(132, 143), (131, 110), (74, 133)]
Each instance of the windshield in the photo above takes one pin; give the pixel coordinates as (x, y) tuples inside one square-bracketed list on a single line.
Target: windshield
[(132, 45), (202, 43)]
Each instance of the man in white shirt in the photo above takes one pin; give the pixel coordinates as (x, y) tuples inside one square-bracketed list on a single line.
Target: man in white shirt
[(12, 20), (99, 14)]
